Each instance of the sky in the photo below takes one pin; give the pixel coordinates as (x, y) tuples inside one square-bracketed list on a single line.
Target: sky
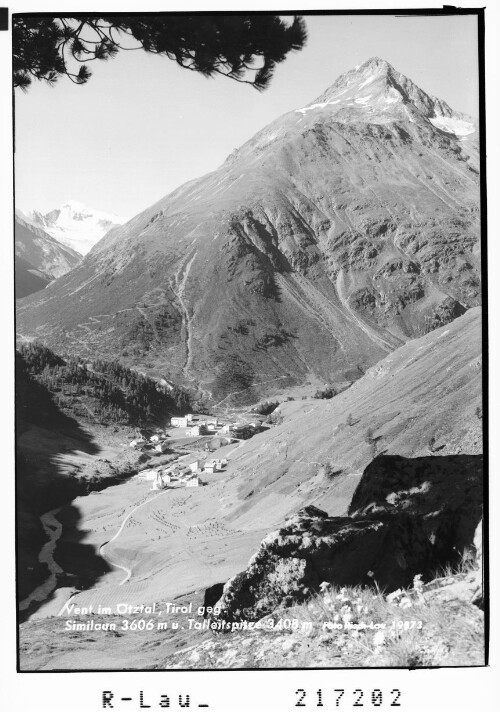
[(142, 126)]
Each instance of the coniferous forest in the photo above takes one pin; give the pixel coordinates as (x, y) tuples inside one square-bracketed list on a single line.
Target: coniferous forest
[(100, 391)]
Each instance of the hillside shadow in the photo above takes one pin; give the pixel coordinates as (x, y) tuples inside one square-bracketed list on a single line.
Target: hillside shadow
[(44, 434), (82, 567), (447, 489)]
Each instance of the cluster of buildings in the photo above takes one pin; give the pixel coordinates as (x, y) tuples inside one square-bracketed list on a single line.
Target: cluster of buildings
[(181, 474), (156, 442), (166, 479), (196, 427)]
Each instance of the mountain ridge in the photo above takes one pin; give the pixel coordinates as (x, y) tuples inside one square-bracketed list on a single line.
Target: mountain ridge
[(376, 69), (39, 258)]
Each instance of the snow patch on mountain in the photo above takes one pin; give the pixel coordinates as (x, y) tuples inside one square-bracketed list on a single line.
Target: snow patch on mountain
[(367, 81), (459, 127), (392, 96), (76, 225), (363, 99), (317, 106)]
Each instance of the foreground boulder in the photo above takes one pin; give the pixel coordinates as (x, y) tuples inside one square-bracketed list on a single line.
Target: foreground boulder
[(407, 517)]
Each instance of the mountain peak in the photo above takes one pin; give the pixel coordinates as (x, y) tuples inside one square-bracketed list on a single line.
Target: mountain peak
[(374, 63), (373, 68), (376, 92), (75, 225)]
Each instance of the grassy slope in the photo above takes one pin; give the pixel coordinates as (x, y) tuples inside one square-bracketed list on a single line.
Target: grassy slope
[(431, 387)]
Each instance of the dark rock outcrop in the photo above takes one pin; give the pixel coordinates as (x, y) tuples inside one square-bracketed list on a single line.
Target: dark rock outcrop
[(445, 493), (212, 595), (407, 517)]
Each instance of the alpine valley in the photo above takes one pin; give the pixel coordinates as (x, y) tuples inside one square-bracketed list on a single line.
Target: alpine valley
[(351, 223), (332, 266)]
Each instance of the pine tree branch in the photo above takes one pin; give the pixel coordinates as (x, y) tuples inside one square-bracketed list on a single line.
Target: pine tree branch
[(225, 45)]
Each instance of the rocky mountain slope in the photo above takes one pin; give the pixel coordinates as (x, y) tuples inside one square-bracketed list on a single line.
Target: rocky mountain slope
[(28, 279), (39, 258), (423, 399), (351, 224), (75, 225), (350, 627)]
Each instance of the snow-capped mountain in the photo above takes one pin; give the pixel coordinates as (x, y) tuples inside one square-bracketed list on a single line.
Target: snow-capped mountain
[(336, 233), (376, 91), (75, 225)]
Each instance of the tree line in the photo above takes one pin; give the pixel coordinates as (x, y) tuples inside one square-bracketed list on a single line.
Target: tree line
[(97, 389)]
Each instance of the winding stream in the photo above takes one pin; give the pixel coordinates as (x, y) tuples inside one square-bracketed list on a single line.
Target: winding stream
[(53, 529)]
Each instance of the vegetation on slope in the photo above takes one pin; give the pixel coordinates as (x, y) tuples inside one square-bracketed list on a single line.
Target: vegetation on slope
[(353, 627), (102, 391), (59, 401), (451, 633)]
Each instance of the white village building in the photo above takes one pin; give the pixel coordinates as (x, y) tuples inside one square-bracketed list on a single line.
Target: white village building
[(162, 447), (182, 421), (215, 465), (179, 422), (147, 475), (196, 430), (162, 480), (137, 443)]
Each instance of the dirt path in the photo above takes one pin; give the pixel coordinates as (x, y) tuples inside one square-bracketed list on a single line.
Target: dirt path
[(122, 526), (110, 561), (259, 383)]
